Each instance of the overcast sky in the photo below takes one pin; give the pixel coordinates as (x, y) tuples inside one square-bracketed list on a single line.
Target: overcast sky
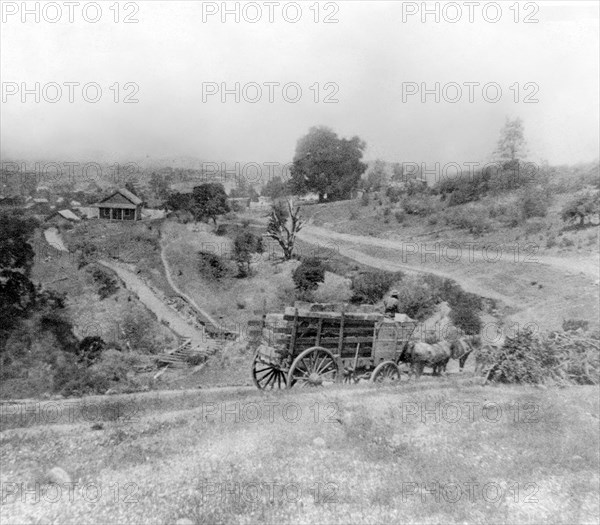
[(367, 56)]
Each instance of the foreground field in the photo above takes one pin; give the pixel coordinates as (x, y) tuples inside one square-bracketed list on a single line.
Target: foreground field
[(434, 452)]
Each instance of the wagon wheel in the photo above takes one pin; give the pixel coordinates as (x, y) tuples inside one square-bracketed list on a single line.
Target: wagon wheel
[(313, 367), (386, 373), (267, 375)]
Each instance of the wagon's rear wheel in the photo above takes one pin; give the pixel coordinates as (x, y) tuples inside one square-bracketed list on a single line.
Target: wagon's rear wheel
[(386, 373), (313, 367), (266, 375)]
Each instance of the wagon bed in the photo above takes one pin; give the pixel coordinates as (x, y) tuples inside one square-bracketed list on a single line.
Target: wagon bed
[(326, 343)]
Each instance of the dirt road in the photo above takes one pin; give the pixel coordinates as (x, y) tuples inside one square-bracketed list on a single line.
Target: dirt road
[(536, 288)]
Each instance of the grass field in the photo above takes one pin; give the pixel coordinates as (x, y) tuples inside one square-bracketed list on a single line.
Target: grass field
[(434, 452)]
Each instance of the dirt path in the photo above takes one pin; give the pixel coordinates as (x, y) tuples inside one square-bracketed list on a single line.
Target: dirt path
[(150, 300), (537, 288), (177, 290), (162, 311), (345, 242)]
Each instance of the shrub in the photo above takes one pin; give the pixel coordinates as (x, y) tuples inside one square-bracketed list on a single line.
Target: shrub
[(212, 266), (393, 194), (370, 287), (354, 214), (386, 212), (107, 284), (400, 216), (569, 325), (221, 229), (534, 226), (195, 359), (419, 204), (309, 274), (244, 245), (471, 218), (90, 349), (534, 204), (551, 241), (585, 204)]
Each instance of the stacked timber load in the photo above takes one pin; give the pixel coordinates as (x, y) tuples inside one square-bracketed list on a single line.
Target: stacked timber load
[(276, 330), (343, 333)]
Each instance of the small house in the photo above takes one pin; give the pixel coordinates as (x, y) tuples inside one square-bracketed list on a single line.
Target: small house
[(122, 205), (62, 217)]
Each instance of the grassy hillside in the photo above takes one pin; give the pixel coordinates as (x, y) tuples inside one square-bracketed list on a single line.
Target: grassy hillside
[(431, 453)]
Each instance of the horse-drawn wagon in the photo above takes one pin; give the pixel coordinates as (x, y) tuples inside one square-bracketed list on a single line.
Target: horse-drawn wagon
[(318, 344)]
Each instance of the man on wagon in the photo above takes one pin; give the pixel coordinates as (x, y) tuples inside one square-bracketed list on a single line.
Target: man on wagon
[(391, 304)]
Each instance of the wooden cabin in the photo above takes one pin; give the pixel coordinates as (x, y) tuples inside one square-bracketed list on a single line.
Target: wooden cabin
[(122, 205)]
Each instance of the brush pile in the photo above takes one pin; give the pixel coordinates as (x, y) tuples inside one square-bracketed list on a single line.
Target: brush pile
[(562, 358)]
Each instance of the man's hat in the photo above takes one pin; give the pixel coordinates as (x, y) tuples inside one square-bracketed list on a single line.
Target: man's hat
[(394, 293)]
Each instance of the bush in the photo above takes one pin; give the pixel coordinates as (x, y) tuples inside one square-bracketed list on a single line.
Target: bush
[(354, 214), (471, 218), (534, 204), (309, 274), (522, 359), (584, 205), (107, 284), (195, 359), (244, 245), (386, 212), (370, 287), (400, 216), (393, 194), (419, 204), (212, 266), (570, 325), (90, 349), (535, 226), (551, 241), (221, 230)]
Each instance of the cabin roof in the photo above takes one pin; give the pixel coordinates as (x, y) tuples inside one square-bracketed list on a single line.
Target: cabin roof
[(132, 198)]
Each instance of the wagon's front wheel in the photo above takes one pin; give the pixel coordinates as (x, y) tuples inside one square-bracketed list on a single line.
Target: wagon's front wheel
[(313, 367), (266, 375), (386, 373)]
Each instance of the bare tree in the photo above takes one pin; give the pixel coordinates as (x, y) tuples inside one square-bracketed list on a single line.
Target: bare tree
[(284, 224)]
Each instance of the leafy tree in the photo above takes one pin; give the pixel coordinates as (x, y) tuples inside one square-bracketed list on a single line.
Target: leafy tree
[(275, 188), (377, 177), (584, 205), (309, 274), (511, 146), (244, 245), (179, 201), (17, 292), (208, 201), (284, 224), (327, 165)]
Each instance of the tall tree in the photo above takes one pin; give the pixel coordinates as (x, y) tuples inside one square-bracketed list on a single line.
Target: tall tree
[(208, 201), (284, 224), (17, 292), (327, 165), (512, 145)]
